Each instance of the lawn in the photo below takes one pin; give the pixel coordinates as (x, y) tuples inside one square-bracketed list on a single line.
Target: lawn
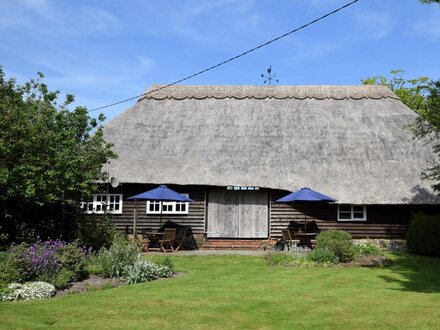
[(242, 292)]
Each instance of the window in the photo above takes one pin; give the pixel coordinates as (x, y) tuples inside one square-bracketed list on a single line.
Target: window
[(352, 212), (111, 203), (153, 207)]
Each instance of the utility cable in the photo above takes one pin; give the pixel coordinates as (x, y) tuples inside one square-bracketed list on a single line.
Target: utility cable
[(229, 59)]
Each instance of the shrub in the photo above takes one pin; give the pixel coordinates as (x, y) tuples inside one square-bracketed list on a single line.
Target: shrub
[(52, 261), (15, 264), (367, 249), (423, 235), (44, 256), (323, 256), (337, 241), (96, 231), (167, 262), (72, 259), (113, 260), (143, 271), (28, 291), (297, 258)]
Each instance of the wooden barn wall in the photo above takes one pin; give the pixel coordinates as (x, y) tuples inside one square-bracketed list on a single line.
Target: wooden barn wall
[(383, 221), (194, 218)]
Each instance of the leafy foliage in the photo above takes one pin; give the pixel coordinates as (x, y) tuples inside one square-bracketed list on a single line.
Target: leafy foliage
[(423, 235), (410, 91), (28, 291), (290, 258), (143, 271), (367, 249), (339, 242), (52, 261), (323, 256), (117, 257), (51, 157), (95, 231), (15, 264)]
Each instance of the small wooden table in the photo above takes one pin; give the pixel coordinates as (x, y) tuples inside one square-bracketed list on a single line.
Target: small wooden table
[(306, 238)]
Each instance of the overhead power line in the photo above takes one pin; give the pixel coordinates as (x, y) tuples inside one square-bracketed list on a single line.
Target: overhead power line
[(229, 59)]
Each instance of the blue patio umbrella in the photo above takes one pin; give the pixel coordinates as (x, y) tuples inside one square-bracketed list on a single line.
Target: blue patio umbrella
[(305, 195), (160, 194)]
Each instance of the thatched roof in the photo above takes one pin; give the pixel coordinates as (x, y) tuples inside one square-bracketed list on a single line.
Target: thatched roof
[(349, 142)]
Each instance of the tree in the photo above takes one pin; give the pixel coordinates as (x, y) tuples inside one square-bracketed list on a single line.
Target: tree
[(430, 1), (51, 158), (410, 91)]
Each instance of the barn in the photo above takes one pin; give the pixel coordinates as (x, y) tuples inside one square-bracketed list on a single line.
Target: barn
[(235, 150)]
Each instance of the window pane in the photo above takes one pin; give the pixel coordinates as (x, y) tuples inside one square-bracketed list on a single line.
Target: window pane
[(357, 208), (183, 206), (117, 207), (112, 198), (117, 198), (178, 205), (345, 208), (358, 215), (345, 216)]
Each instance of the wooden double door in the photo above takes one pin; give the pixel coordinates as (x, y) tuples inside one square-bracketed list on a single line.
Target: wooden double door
[(238, 214)]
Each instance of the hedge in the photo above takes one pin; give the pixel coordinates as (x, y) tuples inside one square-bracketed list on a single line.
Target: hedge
[(423, 235)]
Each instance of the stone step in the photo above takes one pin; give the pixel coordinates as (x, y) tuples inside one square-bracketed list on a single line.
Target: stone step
[(230, 247)]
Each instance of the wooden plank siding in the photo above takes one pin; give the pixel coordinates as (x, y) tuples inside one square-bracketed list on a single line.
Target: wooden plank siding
[(383, 221), (194, 219)]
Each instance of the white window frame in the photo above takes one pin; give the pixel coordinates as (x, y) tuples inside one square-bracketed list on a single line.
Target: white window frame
[(352, 211), (98, 206), (168, 207)]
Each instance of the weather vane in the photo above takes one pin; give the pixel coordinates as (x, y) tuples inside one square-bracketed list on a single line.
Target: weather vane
[(269, 78)]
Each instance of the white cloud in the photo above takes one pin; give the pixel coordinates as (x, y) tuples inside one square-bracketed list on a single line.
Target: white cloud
[(374, 25), (310, 51), (98, 19), (428, 28)]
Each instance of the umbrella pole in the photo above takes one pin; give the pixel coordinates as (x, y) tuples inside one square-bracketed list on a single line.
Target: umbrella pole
[(135, 219), (305, 223), (161, 206)]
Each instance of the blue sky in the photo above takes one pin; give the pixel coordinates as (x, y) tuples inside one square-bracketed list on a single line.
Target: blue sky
[(104, 51)]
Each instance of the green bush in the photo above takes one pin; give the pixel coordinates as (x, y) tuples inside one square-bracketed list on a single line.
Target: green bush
[(423, 235), (337, 241), (367, 249), (143, 271), (323, 256), (167, 262), (15, 264), (59, 279), (96, 231), (72, 259), (290, 258), (120, 254)]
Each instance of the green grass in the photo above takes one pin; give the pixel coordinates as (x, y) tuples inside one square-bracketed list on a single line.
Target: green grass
[(238, 292)]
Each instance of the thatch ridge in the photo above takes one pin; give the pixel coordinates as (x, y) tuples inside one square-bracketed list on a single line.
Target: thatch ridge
[(358, 150), (318, 92)]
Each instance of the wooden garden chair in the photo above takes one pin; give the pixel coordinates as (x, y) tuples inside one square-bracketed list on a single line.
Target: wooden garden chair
[(180, 237), (287, 238), (144, 242), (168, 239)]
